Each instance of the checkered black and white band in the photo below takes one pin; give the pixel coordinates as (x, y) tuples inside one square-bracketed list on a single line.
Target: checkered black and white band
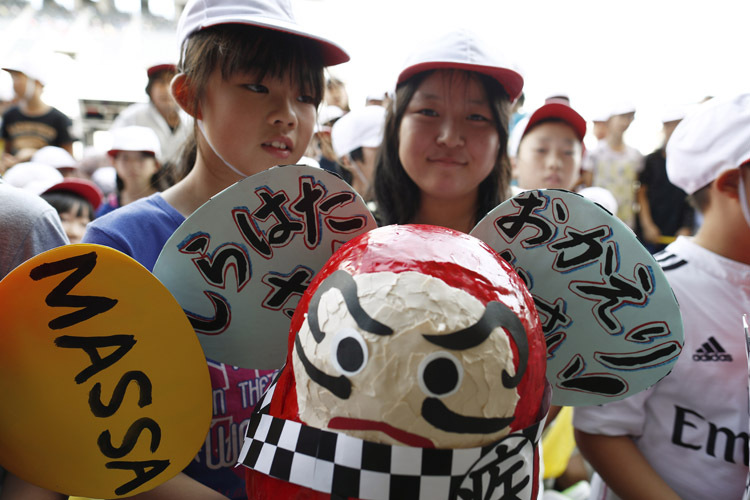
[(345, 466)]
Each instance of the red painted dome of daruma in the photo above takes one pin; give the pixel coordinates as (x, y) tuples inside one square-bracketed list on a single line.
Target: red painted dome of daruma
[(414, 335)]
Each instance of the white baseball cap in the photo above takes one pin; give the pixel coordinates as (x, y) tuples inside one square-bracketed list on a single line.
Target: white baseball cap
[(622, 107), (327, 114), (602, 196), (34, 66), (33, 177), (84, 188), (463, 50), (673, 114), (713, 138), (272, 14), (551, 109), (135, 138), (54, 157), (599, 113), (359, 128)]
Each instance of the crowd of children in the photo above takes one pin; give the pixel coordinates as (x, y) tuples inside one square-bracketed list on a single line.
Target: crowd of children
[(437, 150)]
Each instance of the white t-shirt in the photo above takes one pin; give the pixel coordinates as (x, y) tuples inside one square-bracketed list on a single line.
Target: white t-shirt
[(692, 426), (146, 115)]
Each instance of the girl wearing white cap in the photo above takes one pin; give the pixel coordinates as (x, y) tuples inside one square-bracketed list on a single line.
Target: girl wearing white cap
[(252, 78), (32, 123), (443, 159), (135, 155)]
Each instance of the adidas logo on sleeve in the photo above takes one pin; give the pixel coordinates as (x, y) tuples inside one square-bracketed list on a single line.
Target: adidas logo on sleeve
[(711, 350)]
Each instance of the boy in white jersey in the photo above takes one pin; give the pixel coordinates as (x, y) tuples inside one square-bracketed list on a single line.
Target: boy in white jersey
[(687, 437)]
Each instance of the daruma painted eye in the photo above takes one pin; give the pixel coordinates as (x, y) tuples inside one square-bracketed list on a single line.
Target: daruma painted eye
[(349, 351), (440, 374)]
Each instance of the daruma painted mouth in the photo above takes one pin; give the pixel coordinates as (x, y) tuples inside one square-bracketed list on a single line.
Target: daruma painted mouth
[(356, 424)]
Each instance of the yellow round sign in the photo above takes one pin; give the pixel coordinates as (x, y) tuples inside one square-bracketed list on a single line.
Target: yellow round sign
[(105, 388)]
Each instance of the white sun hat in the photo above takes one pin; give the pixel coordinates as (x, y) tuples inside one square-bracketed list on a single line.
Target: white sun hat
[(36, 66), (135, 138), (54, 157), (463, 50), (326, 115), (711, 139), (602, 196), (273, 14), (33, 177), (359, 128)]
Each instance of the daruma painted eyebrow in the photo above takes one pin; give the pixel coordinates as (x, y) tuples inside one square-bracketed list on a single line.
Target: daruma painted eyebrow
[(495, 315)]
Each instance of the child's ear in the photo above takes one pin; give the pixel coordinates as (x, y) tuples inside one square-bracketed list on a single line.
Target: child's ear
[(728, 183), (184, 94), (513, 167)]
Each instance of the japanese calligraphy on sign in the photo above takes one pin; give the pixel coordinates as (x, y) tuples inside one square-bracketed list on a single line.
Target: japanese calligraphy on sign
[(239, 264), (610, 320)]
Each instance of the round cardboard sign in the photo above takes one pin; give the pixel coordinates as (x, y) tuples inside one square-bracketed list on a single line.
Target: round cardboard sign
[(104, 386), (239, 265), (609, 317)]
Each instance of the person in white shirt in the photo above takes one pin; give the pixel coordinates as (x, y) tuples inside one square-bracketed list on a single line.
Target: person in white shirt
[(161, 113), (687, 436)]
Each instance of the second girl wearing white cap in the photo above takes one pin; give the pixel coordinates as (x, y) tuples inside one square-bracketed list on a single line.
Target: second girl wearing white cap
[(443, 159), (135, 155)]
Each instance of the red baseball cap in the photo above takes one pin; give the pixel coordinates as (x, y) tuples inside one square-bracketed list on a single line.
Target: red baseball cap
[(81, 187), (552, 109), (160, 67)]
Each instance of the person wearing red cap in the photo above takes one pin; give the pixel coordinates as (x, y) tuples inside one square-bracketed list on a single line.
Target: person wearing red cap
[(76, 201), (443, 158), (546, 147), (252, 78), (161, 113)]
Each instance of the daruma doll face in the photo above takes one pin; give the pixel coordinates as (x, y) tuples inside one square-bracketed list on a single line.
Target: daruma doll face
[(405, 357)]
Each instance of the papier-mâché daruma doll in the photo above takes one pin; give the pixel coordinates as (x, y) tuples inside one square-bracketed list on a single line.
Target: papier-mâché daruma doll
[(413, 339)]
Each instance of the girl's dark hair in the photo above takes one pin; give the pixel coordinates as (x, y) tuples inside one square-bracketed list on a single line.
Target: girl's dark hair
[(357, 154), (238, 47), (161, 75), (398, 197), (185, 161), (65, 201)]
